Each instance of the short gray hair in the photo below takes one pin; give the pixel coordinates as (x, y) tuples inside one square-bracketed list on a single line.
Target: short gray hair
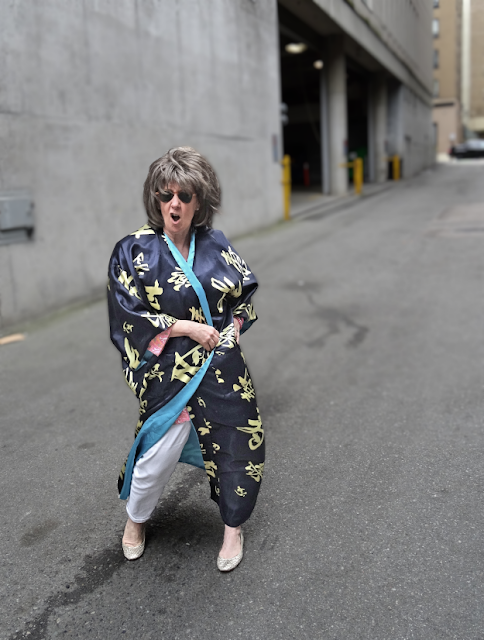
[(192, 172)]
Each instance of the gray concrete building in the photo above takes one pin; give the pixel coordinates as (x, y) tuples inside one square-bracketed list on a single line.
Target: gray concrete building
[(362, 87), (91, 91)]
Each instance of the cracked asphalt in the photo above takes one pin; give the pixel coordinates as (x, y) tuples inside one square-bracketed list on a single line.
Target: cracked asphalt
[(367, 360)]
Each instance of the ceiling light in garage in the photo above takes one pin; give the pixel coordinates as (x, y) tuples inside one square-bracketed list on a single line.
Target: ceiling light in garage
[(296, 47), (318, 64)]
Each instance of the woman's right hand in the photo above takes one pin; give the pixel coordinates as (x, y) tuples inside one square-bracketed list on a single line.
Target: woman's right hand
[(207, 336)]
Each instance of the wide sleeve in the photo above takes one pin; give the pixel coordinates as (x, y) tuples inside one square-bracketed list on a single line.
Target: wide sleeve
[(135, 313), (241, 305)]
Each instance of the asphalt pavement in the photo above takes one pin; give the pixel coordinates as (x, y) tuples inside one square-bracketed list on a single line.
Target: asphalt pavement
[(367, 360)]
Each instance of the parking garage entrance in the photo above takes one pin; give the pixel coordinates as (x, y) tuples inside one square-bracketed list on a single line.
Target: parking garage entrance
[(300, 87), (302, 58)]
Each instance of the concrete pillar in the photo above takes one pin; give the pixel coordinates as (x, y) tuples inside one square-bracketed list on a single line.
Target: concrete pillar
[(395, 122), (337, 115), (371, 136), (324, 119), (377, 130)]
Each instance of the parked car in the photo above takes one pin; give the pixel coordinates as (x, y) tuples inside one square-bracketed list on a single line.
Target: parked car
[(469, 149)]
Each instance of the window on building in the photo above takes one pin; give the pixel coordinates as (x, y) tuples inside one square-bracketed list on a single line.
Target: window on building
[(435, 27), (436, 4), (436, 88), (436, 58)]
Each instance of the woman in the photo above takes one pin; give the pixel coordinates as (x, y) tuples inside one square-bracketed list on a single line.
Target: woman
[(179, 296)]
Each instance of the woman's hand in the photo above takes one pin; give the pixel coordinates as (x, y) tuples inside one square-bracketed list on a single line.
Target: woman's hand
[(237, 330), (207, 336)]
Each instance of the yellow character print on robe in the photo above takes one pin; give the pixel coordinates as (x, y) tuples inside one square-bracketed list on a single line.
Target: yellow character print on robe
[(217, 491), (127, 328), (140, 266), (240, 492), (255, 471), (153, 373), (145, 230), (227, 337), (132, 354), (178, 279), (197, 315), (216, 447), (203, 431), (143, 389), (226, 287), (184, 370), (210, 468), (248, 392), (156, 373), (153, 291), (248, 308), (128, 374), (202, 449), (126, 281), (218, 375), (159, 320), (189, 409), (201, 402), (236, 261), (256, 431)]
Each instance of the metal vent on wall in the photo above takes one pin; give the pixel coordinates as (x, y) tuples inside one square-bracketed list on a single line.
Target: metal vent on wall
[(16, 217)]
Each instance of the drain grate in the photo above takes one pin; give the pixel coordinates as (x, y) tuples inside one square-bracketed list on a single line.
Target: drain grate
[(461, 220)]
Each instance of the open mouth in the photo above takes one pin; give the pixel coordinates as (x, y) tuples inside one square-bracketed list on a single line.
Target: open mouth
[(175, 217)]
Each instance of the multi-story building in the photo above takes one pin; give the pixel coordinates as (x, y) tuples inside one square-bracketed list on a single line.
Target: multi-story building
[(458, 60), (472, 66), (447, 60), (91, 92)]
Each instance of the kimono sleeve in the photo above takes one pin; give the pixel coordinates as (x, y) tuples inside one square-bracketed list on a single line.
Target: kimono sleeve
[(133, 321), (241, 305)]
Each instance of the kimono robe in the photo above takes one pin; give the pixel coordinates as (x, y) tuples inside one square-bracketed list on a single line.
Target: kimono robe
[(150, 287)]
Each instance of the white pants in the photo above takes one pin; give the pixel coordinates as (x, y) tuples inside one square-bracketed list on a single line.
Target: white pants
[(153, 470)]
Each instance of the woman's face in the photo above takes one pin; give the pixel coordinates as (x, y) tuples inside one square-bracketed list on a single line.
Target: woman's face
[(177, 215)]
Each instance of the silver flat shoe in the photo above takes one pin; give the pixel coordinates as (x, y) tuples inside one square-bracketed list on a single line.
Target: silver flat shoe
[(227, 564), (133, 553)]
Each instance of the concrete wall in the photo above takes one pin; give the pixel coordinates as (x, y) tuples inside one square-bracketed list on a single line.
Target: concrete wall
[(410, 130), (92, 91), (418, 143), (395, 34), (447, 117), (404, 27)]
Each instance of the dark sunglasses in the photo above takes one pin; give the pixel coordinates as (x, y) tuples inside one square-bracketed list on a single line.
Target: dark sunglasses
[(166, 196)]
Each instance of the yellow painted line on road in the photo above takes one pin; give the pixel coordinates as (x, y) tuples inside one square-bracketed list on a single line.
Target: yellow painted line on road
[(14, 337)]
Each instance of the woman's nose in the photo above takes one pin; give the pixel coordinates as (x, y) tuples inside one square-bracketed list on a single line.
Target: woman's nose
[(175, 201)]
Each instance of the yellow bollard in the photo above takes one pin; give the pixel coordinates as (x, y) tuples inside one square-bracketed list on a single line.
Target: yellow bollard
[(357, 166), (396, 167), (286, 185), (358, 175)]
